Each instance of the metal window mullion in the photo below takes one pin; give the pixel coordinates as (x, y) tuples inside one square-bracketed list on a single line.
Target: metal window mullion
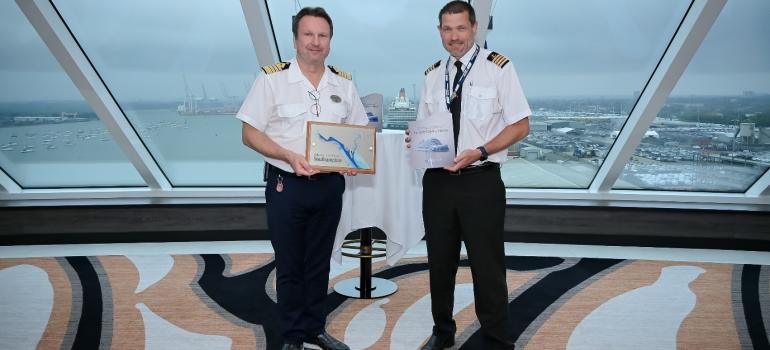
[(694, 28), (261, 32), (761, 188), (483, 10), (7, 184), (677, 199), (620, 198), (51, 28), (136, 195)]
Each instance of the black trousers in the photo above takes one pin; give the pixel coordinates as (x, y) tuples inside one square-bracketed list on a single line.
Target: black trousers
[(469, 208), (302, 221)]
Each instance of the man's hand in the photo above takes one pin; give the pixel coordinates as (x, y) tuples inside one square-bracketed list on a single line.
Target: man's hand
[(349, 172), (464, 159), (300, 165), (258, 141)]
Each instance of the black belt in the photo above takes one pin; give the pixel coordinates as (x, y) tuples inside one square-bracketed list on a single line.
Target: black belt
[(487, 166), (279, 171)]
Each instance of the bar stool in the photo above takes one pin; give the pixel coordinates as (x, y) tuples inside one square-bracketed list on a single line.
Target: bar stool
[(365, 286)]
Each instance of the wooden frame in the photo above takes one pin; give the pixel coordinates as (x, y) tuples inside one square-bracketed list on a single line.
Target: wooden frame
[(341, 147)]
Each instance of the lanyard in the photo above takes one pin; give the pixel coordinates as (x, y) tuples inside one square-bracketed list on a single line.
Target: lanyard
[(467, 69)]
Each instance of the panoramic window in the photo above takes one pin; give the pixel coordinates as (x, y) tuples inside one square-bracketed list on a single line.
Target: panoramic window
[(179, 71), (713, 133), (385, 45), (582, 65), (49, 136)]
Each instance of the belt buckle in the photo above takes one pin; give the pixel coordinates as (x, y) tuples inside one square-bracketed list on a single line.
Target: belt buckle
[(464, 170), (472, 169)]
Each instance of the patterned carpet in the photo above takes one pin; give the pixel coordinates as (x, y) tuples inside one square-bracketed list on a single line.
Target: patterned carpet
[(228, 302)]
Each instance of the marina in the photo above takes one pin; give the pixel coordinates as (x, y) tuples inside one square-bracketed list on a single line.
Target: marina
[(565, 148)]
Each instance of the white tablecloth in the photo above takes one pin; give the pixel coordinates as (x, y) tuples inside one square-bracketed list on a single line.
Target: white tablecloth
[(391, 200)]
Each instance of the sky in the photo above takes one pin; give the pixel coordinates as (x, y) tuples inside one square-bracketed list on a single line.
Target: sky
[(146, 50)]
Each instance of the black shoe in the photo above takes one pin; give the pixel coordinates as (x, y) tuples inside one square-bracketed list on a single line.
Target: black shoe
[(327, 342), (436, 343), (289, 346)]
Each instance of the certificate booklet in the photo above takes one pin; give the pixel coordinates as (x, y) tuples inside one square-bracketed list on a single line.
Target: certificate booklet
[(341, 147), (432, 144)]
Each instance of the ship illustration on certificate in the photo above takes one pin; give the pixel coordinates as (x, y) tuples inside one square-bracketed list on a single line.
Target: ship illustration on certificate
[(432, 143), (341, 147)]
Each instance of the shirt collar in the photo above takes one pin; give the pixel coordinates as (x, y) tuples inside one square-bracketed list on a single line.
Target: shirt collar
[(296, 76), (466, 58)]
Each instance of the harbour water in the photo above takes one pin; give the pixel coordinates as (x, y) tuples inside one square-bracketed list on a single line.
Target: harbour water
[(201, 150), (206, 151)]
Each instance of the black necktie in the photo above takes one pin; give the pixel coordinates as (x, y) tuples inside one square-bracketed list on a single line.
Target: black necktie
[(454, 106)]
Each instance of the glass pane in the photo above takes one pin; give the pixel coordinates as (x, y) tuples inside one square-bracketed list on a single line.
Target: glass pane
[(713, 134), (179, 70), (386, 45), (582, 65), (49, 136)]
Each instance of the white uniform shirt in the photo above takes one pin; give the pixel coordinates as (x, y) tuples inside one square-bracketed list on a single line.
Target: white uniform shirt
[(279, 104), (492, 99)]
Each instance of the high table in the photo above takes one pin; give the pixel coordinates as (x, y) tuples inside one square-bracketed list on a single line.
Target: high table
[(390, 200)]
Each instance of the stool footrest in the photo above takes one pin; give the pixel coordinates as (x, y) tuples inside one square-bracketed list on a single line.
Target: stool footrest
[(351, 288)]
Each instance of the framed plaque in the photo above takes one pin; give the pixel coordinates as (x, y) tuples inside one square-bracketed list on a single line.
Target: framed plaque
[(341, 147)]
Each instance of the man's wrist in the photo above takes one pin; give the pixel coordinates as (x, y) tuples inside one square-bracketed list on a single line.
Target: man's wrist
[(483, 153)]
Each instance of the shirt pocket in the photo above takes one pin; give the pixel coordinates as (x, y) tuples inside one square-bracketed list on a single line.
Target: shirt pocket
[(482, 103), (291, 118), (338, 112), (434, 104)]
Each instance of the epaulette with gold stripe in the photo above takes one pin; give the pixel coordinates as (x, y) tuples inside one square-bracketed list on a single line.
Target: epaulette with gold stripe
[(432, 67), (341, 73), (498, 59), (270, 69)]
